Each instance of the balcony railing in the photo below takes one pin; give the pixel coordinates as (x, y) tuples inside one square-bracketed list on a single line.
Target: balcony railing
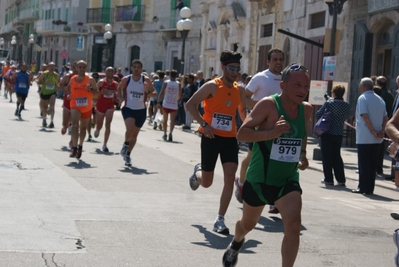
[(29, 14), (100, 15), (129, 13), (72, 27), (43, 26), (6, 28)]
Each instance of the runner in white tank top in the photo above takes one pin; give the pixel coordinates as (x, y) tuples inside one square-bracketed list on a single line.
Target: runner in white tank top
[(135, 93), (134, 113), (170, 93)]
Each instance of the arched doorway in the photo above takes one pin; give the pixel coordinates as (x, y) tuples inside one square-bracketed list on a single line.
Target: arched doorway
[(384, 51), (134, 53)]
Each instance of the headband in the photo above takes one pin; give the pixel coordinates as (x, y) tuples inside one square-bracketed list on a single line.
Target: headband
[(231, 61)]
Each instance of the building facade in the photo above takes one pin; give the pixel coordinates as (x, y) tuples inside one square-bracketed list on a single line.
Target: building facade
[(366, 33), (58, 29)]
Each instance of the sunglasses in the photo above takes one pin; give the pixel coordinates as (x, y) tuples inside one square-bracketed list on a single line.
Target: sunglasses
[(230, 68), (294, 67)]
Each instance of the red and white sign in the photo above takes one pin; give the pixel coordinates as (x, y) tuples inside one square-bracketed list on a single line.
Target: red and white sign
[(64, 54)]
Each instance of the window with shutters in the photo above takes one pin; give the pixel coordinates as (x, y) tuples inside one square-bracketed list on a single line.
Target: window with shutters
[(267, 30), (317, 20)]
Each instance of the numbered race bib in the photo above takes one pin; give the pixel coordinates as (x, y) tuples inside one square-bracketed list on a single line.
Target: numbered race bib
[(109, 94), (222, 122), (22, 85), (49, 86), (81, 102), (135, 96), (286, 149)]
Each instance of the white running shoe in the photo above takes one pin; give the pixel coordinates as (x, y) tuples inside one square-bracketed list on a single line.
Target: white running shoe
[(194, 184), (220, 228)]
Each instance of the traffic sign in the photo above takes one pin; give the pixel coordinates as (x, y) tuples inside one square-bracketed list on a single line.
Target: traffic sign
[(64, 54), (329, 66)]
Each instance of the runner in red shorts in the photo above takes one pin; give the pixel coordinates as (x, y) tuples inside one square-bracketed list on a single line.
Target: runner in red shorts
[(105, 105), (66, 111)]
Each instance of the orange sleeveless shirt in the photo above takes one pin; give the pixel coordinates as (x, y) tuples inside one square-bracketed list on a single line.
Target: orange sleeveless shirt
[(81, 97), (220, 110)]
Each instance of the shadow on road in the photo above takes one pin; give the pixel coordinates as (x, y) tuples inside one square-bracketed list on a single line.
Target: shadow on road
[(79, 164), (213, 240), (137, 171), (100, 152), (45, 130)]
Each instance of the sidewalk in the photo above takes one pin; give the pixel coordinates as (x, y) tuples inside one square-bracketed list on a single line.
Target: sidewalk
[(349, 156)]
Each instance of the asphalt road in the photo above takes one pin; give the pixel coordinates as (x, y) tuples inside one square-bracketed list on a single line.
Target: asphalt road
[(58, 212)]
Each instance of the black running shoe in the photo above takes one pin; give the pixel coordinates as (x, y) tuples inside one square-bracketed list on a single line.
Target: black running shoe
[(230, 256), (79, 153)]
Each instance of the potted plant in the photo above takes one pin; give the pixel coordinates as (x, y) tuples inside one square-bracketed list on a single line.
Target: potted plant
[(67, 28), (80, 23)]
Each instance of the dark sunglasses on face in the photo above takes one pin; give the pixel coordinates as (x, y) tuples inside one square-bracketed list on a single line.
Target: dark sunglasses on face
[(230, 68), (294, 67)]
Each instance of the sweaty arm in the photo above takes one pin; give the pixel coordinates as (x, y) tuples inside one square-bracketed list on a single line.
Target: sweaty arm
[(263, 123), (63, 83), (392, 127), (14, 76), (121, 86), (249, 102), (241, 107), (161, 94), (206, 91), (93, 86), (149, 87)]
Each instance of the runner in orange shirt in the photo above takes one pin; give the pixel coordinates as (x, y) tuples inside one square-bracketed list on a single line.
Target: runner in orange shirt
[(80, 92), (222, 96)]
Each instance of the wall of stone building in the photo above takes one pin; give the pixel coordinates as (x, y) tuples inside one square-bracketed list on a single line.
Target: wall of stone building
[(157, 41)]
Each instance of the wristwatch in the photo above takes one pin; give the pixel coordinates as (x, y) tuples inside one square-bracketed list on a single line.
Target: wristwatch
[(204, 124)]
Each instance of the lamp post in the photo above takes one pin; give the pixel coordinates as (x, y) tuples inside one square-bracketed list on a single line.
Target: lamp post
[(334, 8), (13, 43), (184, 26), (108, 37), (31, 41)]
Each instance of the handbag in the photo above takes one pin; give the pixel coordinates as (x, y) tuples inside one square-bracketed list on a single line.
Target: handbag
[(323, 124)]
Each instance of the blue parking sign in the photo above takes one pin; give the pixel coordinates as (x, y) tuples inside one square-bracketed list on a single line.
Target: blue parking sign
[(79, 43)]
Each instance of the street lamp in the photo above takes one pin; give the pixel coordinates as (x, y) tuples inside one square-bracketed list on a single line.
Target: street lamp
[(108, 37), (31, 41), (13, 43), (184, 25), (334, 8)]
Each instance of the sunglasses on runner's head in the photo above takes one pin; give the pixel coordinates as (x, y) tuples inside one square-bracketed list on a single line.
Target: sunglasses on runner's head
[(230, 68), (294, 67)]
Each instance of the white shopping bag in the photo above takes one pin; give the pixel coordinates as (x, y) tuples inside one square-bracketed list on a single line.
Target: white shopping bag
[(159, 117)]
